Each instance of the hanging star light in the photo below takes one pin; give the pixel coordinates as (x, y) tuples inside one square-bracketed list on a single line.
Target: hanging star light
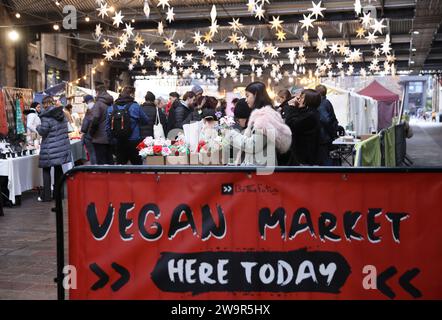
[(275, 52), (391, 58), (208, 37), (276, 23), (143, 71), (180, 44), (197, 38), (265, 63), (358, 7), (334, 48), (141, 59), (201, 47), (158, 64), (363, 72), (356, 55), (360, 33), (281, 35), (179, 61), (108, 55), (366, 20), (196, 66), (230, 55), (235, 25), (259, 12), (137, 52), (146, 49), (307, 22), (214, 27), (152, 54), (376, 52), (317, 10), (170, 16), (385, 48), (139, 40), (209, 53), (343, 49), (118, 19), (168, 42), (305, 37), (371, 38), (377, 26), (160, 28), (163, 3), (321, 45), (129, 30), (106, 44), (292, 55), (103, 10), (242, 43), (340, 65), (98, 31), (233, 38), (189, 57), (130, 66), (240, 56), (301, 51), (251, 5), (146, 9)]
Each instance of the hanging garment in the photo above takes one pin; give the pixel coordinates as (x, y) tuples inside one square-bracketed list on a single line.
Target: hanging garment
[(3, 119), (19, 118)]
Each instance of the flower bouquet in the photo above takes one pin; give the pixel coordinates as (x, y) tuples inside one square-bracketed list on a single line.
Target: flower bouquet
[(153, 150), (179, 152), (211, 147)]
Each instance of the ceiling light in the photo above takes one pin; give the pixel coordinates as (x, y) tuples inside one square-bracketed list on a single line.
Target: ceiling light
[(87, 19), (414, 49), (56, 27), (416, 32), (13, 35), (18, 15)]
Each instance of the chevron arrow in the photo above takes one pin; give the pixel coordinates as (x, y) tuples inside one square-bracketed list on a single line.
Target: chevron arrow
[(103, 277), (404, 281), (382, 279)]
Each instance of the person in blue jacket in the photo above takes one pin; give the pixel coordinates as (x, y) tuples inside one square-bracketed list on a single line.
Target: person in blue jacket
[(126, 149)]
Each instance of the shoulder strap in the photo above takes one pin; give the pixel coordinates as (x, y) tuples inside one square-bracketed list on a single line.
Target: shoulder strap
[(157, 120), (127, 107)]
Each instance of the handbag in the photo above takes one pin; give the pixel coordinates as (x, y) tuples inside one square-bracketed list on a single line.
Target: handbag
[(158, 131)]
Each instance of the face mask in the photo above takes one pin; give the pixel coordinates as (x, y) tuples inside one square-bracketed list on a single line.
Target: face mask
[(90, 105)]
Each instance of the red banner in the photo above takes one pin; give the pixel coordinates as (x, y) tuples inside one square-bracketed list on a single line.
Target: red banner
[(238, 236)]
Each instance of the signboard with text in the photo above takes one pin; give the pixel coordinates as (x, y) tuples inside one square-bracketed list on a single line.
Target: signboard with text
[(289, 235)]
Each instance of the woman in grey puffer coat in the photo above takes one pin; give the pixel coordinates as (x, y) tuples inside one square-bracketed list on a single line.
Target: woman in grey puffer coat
[(55, 147)]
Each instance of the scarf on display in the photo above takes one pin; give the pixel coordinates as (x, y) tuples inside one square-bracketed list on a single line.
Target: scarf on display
[(19, 117), (3, 120)]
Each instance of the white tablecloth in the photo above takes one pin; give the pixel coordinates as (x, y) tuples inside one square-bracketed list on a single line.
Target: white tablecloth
[(24, 174)]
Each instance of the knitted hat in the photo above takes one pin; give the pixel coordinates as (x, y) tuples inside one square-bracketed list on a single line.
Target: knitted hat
[(196, 89), (87, 98)]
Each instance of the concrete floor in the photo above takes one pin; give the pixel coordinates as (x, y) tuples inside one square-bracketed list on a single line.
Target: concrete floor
[(27, 233)]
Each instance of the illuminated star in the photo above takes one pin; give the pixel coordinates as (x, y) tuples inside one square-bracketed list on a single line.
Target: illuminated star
[(242, 43), (118, 19), (108, 55), (259, 13), (251, 5), (168, 42), (160, 28), (366, 20), (103, 10), (170, 15), (98, 30), (377, 52), (235, 25), (307, 22), (378, 26), (233, 38), (163, 3), (358, 7), (208, 37), (360, 33), (334, 49), (189, 57), (281, 35), (317, 10), (139, 40), (106, 44), (371, 38), (276, 23), (197, 38), (129, 30), (180, 44)]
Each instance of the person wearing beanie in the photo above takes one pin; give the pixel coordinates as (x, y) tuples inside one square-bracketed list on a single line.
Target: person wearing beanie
[(242, 114), (198, 91)]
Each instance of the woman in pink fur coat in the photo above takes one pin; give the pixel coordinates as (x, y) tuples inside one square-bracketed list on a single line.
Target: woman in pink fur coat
[(266, 134)]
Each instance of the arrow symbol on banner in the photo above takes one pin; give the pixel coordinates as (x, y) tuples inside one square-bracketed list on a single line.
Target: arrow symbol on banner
[(227, 189), (104, 277), (404, 282)]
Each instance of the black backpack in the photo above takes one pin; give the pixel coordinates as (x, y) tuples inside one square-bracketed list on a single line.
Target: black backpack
[(120, 123)]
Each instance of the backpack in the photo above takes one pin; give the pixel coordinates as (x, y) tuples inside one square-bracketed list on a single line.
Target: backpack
[(121, 123)]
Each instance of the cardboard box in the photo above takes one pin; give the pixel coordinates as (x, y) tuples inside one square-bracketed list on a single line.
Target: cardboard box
[(194, 159), (214, 159), (154, 161)]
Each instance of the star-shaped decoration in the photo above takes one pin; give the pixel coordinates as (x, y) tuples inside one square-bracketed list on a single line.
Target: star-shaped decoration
[(376, 52), (385, 48), (189, 57), (371, 38), (307, 22), (170, 16), (195, 66), (334, 48), (163, 3), (167, 65), (235, 25), (301, 51), (130, 66), (230, 55), (321, 45), (391, 58), (305, 37), (366, 20), (179, 61), (378, 26), (133, 61), (98, 30), (208, 37), (363, 72), (358, 7), (143, 71), (259, 12), (209, 53), (281, 35), (137, 52), (317, 10), (197, 38), (265, 63), (360, 33), (242, 43), (106, 44), (251, 5), (152, 54), (139, 40), (275, 52), (168, 42), (343, 49), (240, 56), (160, 28), (276, 23), (340, 65), (158, 64), (108, 55), (214, 27), (180, 44), (233, 38), (356, 55), (292, 55), (129, 29), (103, 10), (201, 47), (142, 60), (118, 19)]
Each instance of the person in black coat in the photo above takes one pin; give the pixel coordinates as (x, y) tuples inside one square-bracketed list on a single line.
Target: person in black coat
[(150, 109), (329, 127), (202, 104), (284, 96), (180, 111), (303, 120), (85, 128)]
